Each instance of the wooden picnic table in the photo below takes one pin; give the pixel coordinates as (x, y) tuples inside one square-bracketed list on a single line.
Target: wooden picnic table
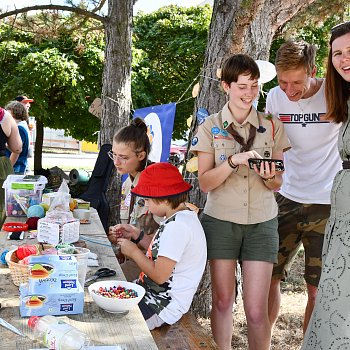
[(129, 331)]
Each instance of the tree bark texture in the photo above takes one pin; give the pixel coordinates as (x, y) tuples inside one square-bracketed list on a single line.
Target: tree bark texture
[(116, 91), (243, 26), (38, 150), (271, 17)]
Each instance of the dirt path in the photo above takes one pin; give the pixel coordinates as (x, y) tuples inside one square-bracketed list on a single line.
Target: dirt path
[(288, 330)]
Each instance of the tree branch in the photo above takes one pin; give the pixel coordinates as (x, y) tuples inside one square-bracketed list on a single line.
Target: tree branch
[(99, 7), (77, 10)]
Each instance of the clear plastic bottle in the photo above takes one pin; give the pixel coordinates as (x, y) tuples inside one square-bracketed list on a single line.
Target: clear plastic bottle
[(55, 334)]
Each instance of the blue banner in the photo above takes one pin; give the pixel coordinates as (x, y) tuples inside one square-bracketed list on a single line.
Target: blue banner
[(160, 124)]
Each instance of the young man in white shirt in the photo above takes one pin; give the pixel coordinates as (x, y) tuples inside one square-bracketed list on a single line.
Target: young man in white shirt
[(310, 166)]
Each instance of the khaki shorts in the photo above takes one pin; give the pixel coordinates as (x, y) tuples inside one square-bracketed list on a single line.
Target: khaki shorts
[(228, 240), (300, 224)]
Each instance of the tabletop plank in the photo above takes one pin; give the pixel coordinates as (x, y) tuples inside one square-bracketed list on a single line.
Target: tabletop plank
[(102, 327)]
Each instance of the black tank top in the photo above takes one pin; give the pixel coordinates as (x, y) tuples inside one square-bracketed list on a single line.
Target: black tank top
[(3, 137)]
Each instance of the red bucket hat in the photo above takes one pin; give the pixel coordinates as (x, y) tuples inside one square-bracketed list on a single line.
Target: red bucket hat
[(160, 180)]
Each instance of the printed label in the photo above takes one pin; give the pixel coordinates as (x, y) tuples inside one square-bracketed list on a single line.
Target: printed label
[(66, 307), (68, 284), (54, 336)]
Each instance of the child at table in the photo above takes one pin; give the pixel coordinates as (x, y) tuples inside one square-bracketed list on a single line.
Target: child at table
[(175, 260)]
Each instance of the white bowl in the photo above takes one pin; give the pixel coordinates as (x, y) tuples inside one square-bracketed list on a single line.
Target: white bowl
[(115, 305)]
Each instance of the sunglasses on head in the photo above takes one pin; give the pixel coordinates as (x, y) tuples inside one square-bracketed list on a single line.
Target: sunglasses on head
[(338, 26)]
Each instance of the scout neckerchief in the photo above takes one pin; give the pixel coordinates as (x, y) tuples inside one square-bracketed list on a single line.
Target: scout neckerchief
[(245, 147)]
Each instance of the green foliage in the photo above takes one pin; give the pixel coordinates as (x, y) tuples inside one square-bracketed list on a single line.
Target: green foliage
[(168, 53), (59, 66), (58, 72), (169, 47)]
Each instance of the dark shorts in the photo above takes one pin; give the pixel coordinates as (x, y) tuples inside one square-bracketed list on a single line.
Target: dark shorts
[(300, 224), (228, 240), (146, 311)]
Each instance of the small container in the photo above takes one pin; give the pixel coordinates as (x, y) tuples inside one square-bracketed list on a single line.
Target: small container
[(55, 334), (21, 192), (83, 215), (82, 255)]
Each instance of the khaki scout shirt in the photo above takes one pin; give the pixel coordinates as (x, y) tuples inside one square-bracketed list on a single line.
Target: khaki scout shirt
[(243, 198), (140, 216)]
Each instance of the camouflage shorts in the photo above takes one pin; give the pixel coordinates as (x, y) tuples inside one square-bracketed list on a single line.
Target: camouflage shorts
[(300, 224)]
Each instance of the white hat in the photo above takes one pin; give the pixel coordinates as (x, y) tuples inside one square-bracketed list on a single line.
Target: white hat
[(267, 71)]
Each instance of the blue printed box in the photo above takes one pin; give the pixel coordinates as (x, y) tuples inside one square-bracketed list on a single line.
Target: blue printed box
[(53, 287)]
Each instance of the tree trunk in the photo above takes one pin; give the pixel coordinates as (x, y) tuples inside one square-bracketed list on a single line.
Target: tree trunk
[(116, 91), (273, 15), (237, 26), (38, 148)]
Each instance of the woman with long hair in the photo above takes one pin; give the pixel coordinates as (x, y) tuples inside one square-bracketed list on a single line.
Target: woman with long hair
[(329, 327), (130, 150)]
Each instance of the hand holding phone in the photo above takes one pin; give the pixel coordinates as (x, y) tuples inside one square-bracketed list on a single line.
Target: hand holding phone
[(279, 165)]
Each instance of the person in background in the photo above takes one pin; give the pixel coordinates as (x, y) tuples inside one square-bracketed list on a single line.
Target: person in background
[(310, 166), (130, 150), (176, 256), (9, 138), (240, 215), (24, 100), (329, 326), (20, 113)]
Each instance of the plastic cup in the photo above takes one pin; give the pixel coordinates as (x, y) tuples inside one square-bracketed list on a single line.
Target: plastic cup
[(81, 254), (82, 214)]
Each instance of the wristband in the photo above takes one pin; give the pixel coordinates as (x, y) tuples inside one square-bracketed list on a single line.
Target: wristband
[(15, 227), (270, 179), (231, 164), (139, 238)]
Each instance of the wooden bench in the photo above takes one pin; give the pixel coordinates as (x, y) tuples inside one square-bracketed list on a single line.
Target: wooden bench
[(186, 334)]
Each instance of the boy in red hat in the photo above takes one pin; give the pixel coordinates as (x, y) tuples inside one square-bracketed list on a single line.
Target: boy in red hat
[(175, 260)]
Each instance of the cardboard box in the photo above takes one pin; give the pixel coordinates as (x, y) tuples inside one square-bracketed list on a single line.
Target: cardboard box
[(55, 232), (53, 287)]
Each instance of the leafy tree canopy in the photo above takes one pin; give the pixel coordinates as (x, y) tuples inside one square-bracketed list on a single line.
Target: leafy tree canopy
[(168, 53), (44, 56), (169, 47), (59, 72)]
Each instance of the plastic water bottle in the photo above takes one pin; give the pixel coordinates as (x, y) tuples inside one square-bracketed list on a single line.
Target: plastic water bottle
[(56, 334)]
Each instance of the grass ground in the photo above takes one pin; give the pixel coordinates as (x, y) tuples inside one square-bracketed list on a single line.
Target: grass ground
[(287, 333)]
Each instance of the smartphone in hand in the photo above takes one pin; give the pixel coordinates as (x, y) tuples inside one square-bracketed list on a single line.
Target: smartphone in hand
[(279, 165)]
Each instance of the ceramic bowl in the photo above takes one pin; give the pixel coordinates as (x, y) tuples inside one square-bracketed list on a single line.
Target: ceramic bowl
[(115, 305)]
